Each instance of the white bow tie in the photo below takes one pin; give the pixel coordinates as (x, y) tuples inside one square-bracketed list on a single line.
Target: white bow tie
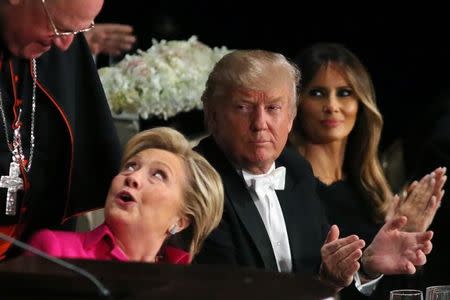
[(274, 180)]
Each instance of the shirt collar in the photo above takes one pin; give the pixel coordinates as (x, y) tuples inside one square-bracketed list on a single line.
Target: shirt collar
[(249, 176), (103, 232)]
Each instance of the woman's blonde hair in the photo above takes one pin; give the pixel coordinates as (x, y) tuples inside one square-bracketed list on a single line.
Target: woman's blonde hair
[(361, 163), (203, 191)]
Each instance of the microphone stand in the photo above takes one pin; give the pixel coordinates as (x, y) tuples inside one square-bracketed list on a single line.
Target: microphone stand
[(103, 291)]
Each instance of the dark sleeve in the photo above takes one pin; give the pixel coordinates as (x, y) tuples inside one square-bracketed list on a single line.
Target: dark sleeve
[(219, 248)]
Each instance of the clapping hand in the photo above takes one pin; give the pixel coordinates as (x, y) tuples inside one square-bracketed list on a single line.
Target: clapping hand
[(340, 258), (393, 251), (420, 201)]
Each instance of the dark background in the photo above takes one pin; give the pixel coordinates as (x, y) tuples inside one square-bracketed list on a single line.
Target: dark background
[(404, 48)]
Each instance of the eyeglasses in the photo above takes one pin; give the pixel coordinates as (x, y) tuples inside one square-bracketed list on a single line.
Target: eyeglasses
[(63, 33)]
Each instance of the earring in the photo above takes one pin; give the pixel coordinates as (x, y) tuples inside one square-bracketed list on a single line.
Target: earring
[(173, 229)]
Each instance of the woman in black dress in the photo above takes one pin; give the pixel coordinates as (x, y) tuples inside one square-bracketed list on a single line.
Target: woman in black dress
[(337, 129)]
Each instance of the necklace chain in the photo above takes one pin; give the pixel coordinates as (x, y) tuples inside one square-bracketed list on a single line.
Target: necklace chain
[(15, 146)]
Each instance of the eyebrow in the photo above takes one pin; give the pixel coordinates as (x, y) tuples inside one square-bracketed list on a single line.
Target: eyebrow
[(317, 86), (277, 99), (162, 164), (247, 97), (157, 163)]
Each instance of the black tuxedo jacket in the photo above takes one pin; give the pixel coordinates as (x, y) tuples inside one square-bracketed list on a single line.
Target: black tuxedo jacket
[(241, 238)]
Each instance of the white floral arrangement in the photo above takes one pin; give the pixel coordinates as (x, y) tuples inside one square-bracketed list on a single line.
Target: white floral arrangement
[(163, 81)]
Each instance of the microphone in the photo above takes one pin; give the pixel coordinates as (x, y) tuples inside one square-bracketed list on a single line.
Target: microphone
[(103, 291)]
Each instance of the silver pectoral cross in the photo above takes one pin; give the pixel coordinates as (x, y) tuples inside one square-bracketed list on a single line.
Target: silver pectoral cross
[(13, 183)]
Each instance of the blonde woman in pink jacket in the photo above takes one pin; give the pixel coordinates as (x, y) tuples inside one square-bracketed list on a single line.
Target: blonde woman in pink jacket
[(162, 189)]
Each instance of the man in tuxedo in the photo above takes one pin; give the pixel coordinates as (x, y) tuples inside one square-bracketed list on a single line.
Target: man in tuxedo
[(272, 216), (280, 227)]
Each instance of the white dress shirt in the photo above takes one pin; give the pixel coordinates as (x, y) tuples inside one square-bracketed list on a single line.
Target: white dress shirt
[(262, 190)]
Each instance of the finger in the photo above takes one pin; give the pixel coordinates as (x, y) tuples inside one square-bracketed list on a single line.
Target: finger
[(352, 268), (412, 186), (115, 52), (422, 241), (333, 234), (442, 181), (432, 204), (393, 207), (395, 202), (352, 257), (349, 270), (347, 253), (420, 259), (408, 268), (426, 177), (395, 223), (117, 47), (427, 247), (120, 42), (128, 39), (424, 247), (425, 182), (113, 27), (440, 184), (332, 247), (439, 197), (126, 47), (116, 39), (404, 195), (425, 236), (440, 171)]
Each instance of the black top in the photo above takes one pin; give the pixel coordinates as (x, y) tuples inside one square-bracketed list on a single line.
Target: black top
[(348, 209)]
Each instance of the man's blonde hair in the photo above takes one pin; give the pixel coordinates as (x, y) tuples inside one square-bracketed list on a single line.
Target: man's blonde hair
[(248, 69)]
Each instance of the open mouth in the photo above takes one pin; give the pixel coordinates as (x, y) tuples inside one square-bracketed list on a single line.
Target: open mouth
[(125, 197)]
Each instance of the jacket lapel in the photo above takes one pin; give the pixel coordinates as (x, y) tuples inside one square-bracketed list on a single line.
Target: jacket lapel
[(290, 206), (300, 225), (247, 212)]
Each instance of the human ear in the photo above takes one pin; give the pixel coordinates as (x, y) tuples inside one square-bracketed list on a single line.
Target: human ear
[(182, 223)]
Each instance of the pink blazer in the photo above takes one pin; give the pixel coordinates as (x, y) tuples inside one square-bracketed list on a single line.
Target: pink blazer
[(98, 243)]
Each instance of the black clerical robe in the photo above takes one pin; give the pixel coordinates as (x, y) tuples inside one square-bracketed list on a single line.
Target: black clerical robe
[(77, 151)]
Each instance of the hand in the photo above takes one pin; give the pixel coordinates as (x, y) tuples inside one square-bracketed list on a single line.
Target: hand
[(396, 252), (420, 202), (111, 39), (340, 258)]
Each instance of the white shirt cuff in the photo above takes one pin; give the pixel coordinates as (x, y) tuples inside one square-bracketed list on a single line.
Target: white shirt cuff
[(368, 287)]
